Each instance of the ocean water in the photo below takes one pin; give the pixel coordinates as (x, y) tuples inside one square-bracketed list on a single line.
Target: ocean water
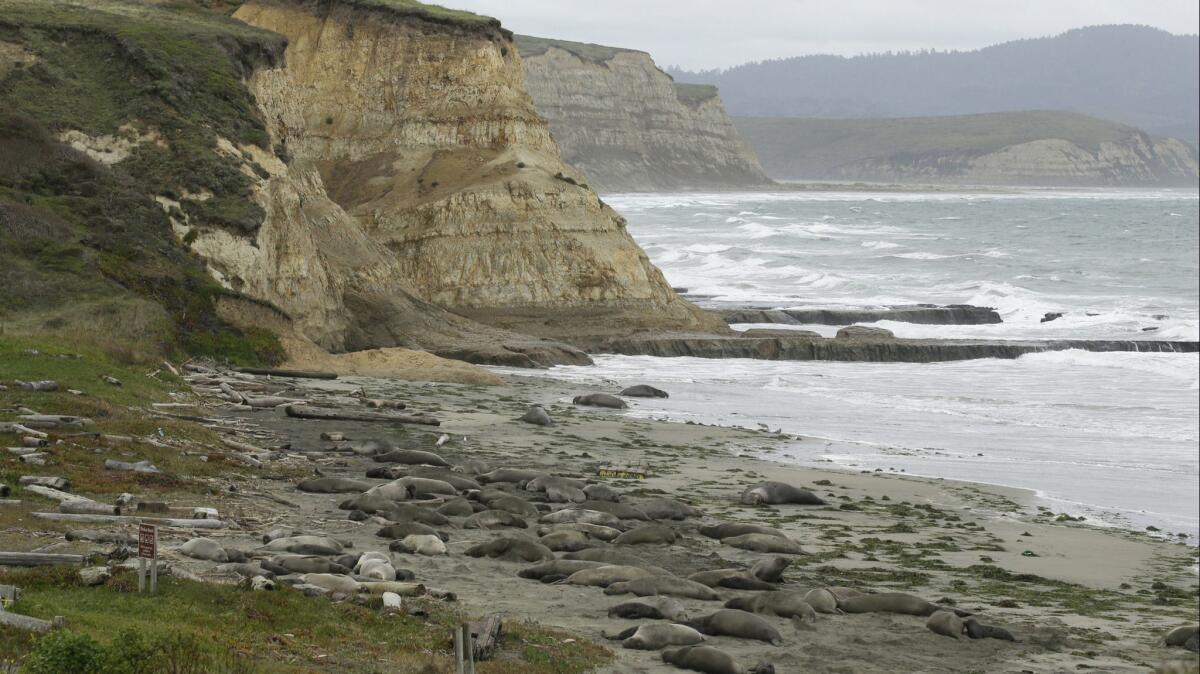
[(1111, 436)]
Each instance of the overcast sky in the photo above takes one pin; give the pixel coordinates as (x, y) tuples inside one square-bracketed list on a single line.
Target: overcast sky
[(720, 33)]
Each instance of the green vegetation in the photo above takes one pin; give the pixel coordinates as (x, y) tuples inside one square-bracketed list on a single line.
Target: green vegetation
[(592, 53), (433, 13), (816, 148), (694, 94), (195, 627), (162, 84)]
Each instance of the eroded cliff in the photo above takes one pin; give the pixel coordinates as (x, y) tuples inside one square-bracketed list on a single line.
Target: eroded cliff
[(628, 126), (417, 161)]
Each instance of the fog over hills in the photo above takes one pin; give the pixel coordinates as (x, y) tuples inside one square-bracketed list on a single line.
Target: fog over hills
[(1136, 75)]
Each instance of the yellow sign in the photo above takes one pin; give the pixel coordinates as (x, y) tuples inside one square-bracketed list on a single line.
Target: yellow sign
[(621, 474)]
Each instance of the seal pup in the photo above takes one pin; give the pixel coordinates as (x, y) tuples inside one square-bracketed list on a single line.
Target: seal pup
[(567, 540), (514, 475), (557, 567), (537, 415), (490, 519), (305, 545), (592, 530), (457, 507), (333, 485), (600, 400), (770, 570), (421, 544), (582, 515), (653, 608), (730, 529), (977, 630), (653, 636), (601, 492), (946, 624), (648, 533), (620, 510), (206, 549), (702, 659), (778, 493), (606, 576), (375, 566), (402, 529), (782, 604), (728, 622), (1183, 636), (644, 391), (764, 543), (513, 549), (676, 587), (407, 512), (285, 564), (822, 601), (668, 509), (513, 504)]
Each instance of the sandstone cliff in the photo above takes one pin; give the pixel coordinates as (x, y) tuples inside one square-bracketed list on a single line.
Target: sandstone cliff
[(417, 161), (1048, 148), (628, 126)]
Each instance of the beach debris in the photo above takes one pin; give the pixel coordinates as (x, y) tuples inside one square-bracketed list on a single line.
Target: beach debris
[(45, 385), (110, 380), (308, 412), (137, 466)]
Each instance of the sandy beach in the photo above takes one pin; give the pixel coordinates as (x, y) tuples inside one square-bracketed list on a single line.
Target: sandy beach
[(1075, 597)]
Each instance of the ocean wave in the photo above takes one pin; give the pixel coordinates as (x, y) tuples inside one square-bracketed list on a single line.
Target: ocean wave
[(879, 245)]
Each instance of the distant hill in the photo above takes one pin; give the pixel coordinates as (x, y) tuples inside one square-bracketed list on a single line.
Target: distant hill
[(1137, 75), (1014, 148)]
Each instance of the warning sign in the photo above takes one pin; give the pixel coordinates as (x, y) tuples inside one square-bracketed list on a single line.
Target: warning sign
[(147, 541)]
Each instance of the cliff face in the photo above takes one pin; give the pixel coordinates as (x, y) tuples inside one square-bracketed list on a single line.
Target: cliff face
[(1051, 148), (628, 126), (417, 174)]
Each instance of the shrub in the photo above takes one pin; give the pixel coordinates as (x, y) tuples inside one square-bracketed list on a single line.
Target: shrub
[(59, 652)]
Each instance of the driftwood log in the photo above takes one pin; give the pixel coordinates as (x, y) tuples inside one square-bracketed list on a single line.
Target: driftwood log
[(24, 622), (130, 519), (53, 421), (297, 374), (13, 427), (306, 412), (101, 536), (39, 559), (86, 507), (45, 481)]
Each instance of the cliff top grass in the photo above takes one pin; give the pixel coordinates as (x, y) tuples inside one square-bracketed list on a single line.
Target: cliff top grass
[(694, 94), (822, 143), (593, 53), (434, 13), (73, 230)]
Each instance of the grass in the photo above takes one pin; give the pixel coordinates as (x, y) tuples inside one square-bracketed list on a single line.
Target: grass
[(282, 631), (75, 232), (592, 53), (815, 148), (693, 95), (432, 13)]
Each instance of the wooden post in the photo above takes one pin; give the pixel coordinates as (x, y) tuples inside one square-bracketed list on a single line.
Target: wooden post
[(154, 565), (141, 574), (458, 651), (469, 648)]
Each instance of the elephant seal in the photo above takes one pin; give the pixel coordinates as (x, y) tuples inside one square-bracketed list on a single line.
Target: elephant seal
[(745, 582), (567, 541), (713, 578), (512, 549), (600, 400), (333, 485), (565, 494), (619, 510), (663, 585), (375, 566), (285, 564), (977, 630), (729, 622), (373, 502), (305, 545), (582, 515), (516, 475), (1184, 636), (331, 582), (411, 457), (246, 569), (770, 570), (592, 530), (402, 529), (456, 507), (607, 556), (491, 519), (407, 512), (453, 479), (601, 492), (537, 415), (606, 576), (414, 487), (778, 493), (513, 504), (887, 602), (644, 391), (764, 543), (731, 529), (822, 601), (702, 659), (649, 533), (206, 549), (782, 604), (945, 623), (668, 509), (423, 544), (653, 608), (654, 636), (541, 482), (367, 447), (556, 567)]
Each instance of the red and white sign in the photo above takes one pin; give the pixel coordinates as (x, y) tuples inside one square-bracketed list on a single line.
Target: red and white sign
[(147, 541)]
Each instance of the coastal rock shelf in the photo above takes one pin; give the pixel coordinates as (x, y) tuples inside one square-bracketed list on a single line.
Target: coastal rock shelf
[(925, 314), (887, 350)]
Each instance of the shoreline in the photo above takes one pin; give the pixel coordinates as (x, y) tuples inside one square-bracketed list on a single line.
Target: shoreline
[(1083, 598)]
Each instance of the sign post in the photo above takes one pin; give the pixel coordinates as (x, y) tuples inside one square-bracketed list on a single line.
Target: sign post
[(147, 549)]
